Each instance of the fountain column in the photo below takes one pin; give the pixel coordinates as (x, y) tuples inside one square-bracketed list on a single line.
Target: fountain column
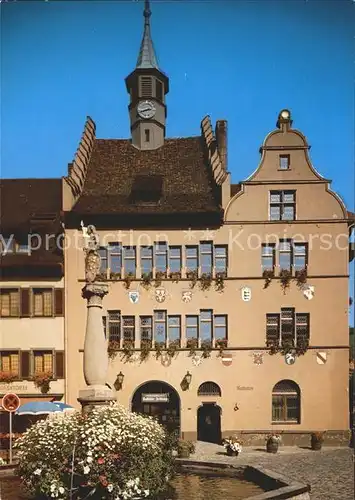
[(95, 346)]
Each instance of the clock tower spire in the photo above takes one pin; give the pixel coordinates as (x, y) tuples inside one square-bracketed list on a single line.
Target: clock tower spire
[(147, 86)]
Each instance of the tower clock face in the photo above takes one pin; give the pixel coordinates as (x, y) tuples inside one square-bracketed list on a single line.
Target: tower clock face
[(146, 109)]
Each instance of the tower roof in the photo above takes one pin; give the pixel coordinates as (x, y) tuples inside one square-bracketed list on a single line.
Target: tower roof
[(147, 57)]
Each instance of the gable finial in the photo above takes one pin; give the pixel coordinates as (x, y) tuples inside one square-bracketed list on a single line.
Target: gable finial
[(147, 12)]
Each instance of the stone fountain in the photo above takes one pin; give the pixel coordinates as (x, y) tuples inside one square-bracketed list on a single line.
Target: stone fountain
[(95, 347)]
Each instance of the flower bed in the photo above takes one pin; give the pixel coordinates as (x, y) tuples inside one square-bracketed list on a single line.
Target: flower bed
[(108, 454)]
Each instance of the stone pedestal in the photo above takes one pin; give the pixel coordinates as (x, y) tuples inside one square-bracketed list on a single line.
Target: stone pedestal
[(95, 350)]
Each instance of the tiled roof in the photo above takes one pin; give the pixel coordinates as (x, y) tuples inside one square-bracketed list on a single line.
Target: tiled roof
[(187, 182), (31, 206), (23, 200)]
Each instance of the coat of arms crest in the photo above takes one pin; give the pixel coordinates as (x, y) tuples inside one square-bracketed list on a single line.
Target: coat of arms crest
[(258, 358), (186, 296), (133, 296), (160, 295)]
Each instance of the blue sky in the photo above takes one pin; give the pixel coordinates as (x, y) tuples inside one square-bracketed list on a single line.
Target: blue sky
[(237, 60)]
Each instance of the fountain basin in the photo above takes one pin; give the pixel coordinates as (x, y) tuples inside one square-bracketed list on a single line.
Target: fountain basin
[(255, 483), (200, 480)]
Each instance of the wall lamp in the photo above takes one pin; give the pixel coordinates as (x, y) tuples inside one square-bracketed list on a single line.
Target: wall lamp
[(119, 381)]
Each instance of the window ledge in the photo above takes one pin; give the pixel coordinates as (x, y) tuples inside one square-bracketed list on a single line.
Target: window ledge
[(286, 422)]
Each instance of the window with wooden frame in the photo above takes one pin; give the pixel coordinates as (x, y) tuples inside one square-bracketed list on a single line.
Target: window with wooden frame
[(42, 362), (206, 326), (128, 328), (206, 257), (129, 260), (284, 162), (9, 302), (221, 259), (146, 329), (174, 330), (175, 259), (191, 327), (160, 328), (161, 257), (268, 256), (288, 328), (42, 302), (300, 256), (302, 329), (103, 260), (220, 331), (111, 258), (10, 363), (146, 255), (285, 255), (192, 258), (282, 205), (286, 402), (112, 324)]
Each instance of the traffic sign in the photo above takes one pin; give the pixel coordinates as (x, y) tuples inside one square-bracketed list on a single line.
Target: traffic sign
[(10, 402)]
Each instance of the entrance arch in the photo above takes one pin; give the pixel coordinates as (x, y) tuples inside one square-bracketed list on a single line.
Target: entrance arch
[(159, 400), (209, 423)]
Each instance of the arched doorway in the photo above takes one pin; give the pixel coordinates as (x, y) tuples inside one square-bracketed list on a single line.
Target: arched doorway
[(161, 401), (209, 423)]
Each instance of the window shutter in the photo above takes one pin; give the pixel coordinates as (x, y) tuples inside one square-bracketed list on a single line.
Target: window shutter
[(25, 364), (25, 302), (59, 364), (59, 301)]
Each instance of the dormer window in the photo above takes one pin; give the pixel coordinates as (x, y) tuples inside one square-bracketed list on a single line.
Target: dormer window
[(284, 162), (147, 189)]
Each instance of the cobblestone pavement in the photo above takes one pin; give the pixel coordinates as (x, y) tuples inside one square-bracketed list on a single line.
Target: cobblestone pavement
[(330, 471)]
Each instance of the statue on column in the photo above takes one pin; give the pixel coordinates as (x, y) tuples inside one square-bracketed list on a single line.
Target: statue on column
[(95, 347), (92, 256)]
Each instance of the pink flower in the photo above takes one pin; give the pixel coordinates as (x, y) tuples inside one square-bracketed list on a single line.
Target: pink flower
[(101, 461), (103, 481)]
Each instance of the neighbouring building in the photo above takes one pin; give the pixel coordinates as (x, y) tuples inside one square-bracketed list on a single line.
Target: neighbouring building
[(31, 294), (228, 303)]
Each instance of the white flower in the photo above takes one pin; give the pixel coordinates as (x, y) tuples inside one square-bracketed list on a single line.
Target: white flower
[(86, 469), (89, 460), (61, 490), (110, 487), (37, 472)]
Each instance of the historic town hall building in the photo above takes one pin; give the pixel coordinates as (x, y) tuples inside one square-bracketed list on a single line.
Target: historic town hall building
[(228, 303)]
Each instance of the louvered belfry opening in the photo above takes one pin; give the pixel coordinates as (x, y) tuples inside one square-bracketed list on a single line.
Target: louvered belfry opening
[(146, 86), (147, 189)]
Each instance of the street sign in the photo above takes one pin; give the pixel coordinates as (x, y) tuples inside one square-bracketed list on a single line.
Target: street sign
[(10, 402)]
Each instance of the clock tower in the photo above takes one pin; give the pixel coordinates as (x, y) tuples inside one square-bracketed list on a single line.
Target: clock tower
[(147, 86)]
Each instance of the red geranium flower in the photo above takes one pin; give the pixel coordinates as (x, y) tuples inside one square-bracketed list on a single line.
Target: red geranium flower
[(100, 460), (103, 481)]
